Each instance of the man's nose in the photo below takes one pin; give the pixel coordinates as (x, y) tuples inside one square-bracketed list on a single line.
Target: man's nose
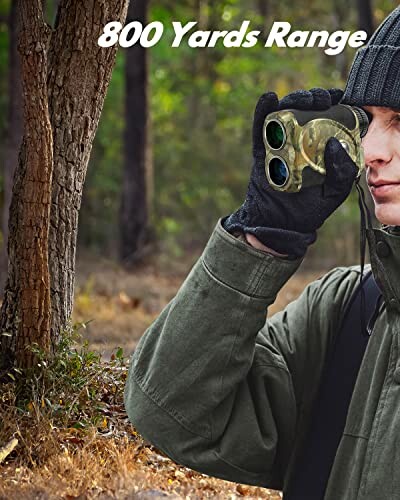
[(376, 147)]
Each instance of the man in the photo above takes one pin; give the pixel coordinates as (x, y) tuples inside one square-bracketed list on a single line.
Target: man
[(221, 390)]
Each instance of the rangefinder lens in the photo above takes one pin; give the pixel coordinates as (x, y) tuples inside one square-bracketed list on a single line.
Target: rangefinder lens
[(278, 172), (275, 134)]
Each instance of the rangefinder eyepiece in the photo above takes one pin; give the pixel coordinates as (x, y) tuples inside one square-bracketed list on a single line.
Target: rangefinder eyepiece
[(295, 143)]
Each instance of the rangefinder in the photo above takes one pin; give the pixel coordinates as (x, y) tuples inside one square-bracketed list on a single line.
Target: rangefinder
[(295, 143)]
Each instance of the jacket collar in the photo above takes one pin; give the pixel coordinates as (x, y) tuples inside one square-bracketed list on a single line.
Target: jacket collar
[(384, 248)]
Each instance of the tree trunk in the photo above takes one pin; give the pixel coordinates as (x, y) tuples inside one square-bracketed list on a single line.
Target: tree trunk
[(365, 16), (134, 211), (13, 132), (30, 205), (79, 72), (340, 13)]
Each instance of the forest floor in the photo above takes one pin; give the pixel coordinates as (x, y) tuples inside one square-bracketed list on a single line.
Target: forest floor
[(112, 460)]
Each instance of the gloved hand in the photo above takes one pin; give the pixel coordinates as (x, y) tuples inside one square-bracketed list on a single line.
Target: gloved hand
[(287, 222)]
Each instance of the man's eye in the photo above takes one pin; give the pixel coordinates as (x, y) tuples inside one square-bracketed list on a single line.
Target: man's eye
[(395, 120)]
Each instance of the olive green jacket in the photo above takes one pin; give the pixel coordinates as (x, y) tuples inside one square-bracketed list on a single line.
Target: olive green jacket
[(225, 392)]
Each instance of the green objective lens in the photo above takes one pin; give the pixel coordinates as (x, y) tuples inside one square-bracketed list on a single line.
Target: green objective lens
[(275, 134), (278, 172)]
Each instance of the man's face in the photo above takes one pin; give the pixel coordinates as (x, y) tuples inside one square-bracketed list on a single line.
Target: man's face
[(382, 157)]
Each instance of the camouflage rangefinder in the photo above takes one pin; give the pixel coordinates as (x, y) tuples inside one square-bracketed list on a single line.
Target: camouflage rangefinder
[(295, 142)]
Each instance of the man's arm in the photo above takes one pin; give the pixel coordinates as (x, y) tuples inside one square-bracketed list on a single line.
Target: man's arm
[(214, 392), (255, 243)]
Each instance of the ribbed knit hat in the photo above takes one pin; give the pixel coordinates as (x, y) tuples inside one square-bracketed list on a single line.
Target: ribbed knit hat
[(374, 78)]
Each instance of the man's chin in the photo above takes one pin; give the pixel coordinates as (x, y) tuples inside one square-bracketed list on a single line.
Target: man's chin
[(388, 213)]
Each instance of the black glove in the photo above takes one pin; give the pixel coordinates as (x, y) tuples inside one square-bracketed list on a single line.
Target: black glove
[(287, 222)]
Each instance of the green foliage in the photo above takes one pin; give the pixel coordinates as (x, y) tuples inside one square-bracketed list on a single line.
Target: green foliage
[(74, 387)]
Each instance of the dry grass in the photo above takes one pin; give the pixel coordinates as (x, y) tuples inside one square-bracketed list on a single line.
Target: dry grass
[(116, 469), (75, 441)]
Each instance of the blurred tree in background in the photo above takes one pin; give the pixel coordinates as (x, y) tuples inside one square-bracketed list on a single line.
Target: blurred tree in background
[(137, 173), (201, 106)]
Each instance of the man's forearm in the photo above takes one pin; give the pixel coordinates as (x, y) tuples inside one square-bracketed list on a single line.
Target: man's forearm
[(212, 321), (255, 243)]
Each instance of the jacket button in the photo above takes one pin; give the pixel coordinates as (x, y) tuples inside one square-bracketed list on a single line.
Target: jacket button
[(382, 249), (396, 375)]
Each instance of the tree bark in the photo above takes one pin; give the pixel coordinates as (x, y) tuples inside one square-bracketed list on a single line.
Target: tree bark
[(134, 210), (79, 72), (30, 205), (13, 132)]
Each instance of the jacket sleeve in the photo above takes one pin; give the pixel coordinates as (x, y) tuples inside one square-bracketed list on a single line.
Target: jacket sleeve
[(215, 386)]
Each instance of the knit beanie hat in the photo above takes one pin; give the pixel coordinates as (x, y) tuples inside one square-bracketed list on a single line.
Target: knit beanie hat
[(374, 78)]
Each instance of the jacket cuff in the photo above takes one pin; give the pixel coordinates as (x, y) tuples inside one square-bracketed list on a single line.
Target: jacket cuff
[(244, 268)]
